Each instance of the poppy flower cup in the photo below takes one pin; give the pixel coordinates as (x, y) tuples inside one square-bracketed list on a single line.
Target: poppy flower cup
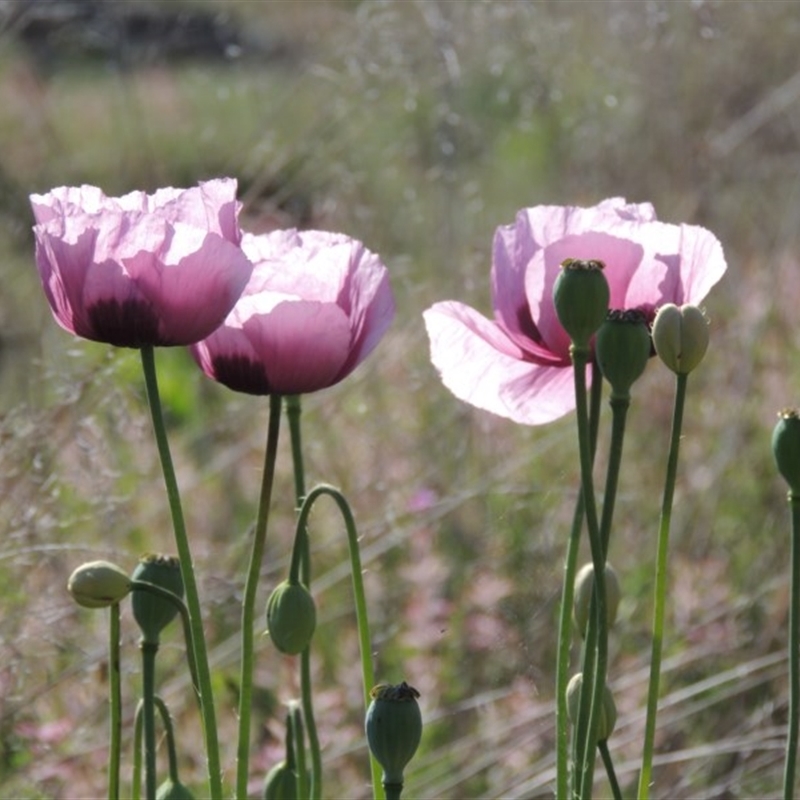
[(315, 307), (517, 365), (140, 270)]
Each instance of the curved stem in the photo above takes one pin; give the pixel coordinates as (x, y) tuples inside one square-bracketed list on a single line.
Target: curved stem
[(115, 701), (149, 650), (565, 612), (367, 672), (293, 408), (172, 753), (299, 750), (198, 638), (249, 599), (616, 792), (586, 727), (136, 782), (661, 589), (794, 653)]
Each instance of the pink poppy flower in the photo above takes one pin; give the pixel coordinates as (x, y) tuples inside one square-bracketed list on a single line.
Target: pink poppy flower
[(160, 269), (517, 365), (316, 305)]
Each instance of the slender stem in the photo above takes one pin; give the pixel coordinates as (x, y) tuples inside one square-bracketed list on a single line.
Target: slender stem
[(136, 782), (565, 612), (661, 589), (602, 746), (149, 650), (293, 409), (187, 573), (299, 749), (249, 599), (172, 753), (115, 701), (586, 727), (367, 672), (619, 413), (794, 653), (393, 790)]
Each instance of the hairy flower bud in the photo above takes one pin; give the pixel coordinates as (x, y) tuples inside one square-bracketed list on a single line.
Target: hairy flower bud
[(786, 447), (152, 612), (581, 296), (394, 729), (608, 713), (291, 617), (680, 336), (622, 348), (584, 589), (98, 584)]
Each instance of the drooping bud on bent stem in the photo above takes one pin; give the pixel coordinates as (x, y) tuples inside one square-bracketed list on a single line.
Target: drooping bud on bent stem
[(98, 584)]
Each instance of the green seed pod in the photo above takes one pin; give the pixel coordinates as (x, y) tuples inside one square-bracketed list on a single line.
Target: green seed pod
[(394, 729), (280, 783), (622, 348), (581, 295), (291, 617), (786, 447), (151, 612), (680, 336), (608, 714), (173, 790), (98, 584), (584, 589)]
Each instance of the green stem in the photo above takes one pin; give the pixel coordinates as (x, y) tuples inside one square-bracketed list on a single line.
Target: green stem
[(172, 754), (296, 716), (115, 701), (367, 673), (565, 612), (393, 790), (602, 746), (619, 411), (587, 726), (293, 409), (661, 589), (187, 573), (249, 599), (136, 782), (149, 650), (794, 653)]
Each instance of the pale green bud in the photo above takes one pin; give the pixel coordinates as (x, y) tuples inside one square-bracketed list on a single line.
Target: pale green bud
[(98, 584), (608, 713), (680, 336)]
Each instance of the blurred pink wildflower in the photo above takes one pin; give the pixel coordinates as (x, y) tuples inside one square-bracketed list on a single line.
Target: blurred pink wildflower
[(160, 269), (518, 365), (316, 306)]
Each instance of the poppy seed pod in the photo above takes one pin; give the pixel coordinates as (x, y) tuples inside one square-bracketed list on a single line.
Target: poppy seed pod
[(394, 729), (786, 447), (608, 714), (622, 348), (581, 296), (584, 589), (151, 612), (291, 617), (680, 337), (98, 584)]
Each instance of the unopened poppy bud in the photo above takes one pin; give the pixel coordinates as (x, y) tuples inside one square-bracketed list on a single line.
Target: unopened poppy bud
[(173, 790), (786, 447), (581, 296), (394, 729), (152, 612), (98, 584), (680, 337), (622, 348), (608, 713), (280, 783), (584, 589), (291, 617)]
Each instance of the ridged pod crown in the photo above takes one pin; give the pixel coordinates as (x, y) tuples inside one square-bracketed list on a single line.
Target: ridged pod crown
[(151, 612), (291, 617), (394, 728), (581, 296), (98, 584)]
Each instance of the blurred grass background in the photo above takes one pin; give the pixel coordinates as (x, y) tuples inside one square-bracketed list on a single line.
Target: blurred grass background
[(417, 127)]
